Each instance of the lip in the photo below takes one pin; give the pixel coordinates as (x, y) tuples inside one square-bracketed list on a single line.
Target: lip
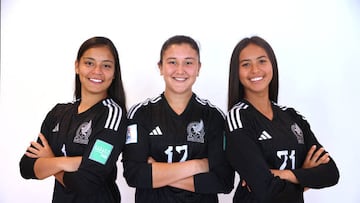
[(179, 79), (256, 79), (95, 80)]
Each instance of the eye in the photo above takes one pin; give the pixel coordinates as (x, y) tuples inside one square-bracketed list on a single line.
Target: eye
[(189, 62), (172, 62), (107, 66), (245, 65), (88, 63), (262, 61)]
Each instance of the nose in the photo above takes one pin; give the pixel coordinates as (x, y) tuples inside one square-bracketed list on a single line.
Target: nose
[(254, 68), (180, 68), (97, 69)]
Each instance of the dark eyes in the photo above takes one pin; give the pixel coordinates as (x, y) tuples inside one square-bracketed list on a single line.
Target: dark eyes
[(185, 63), (89, 63), (262, 61), (248, 64)]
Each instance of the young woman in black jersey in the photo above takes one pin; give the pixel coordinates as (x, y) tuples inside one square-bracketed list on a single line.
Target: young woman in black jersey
[(80, 142), (174, 146), (271, 147)]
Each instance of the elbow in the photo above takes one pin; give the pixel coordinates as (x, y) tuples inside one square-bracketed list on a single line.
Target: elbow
[(26, 168), (335, 178), (138, 175), (130, 179)]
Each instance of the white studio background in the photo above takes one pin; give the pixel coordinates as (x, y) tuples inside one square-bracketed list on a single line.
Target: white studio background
[(317, 45)]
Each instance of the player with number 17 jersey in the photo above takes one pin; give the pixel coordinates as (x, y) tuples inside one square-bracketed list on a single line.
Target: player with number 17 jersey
[(156, 131)]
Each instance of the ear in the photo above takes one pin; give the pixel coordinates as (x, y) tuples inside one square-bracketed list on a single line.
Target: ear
[(77, 67), (160, 68), (199, 69)]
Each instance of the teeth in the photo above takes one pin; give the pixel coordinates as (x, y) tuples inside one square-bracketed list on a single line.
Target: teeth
[(180, 79), (95, 80), (256, 79)]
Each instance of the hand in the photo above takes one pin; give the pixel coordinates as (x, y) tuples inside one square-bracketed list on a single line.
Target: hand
[(36, 150), (244, 184), (151, 160), (314, 157)]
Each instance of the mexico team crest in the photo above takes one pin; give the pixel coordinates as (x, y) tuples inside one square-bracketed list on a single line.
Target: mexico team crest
[(83, 133), (196, 132), (298, 133)]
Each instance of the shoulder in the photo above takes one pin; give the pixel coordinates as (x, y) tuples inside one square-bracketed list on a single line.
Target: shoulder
[(208, 105), (289, 110), (63, 107), (236, 115), (111, 106), (112, 113), (239, 108), (143, 105)]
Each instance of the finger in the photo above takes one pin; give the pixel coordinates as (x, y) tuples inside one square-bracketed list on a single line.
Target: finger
[(43, 139), (31, 155), (36, 145), (317, 154), (32, 150), (310, 152), (324, 158), (150, 160)]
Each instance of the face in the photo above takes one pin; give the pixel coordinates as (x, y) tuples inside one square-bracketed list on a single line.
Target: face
[(255, 70), (180, 67), (96, 70)]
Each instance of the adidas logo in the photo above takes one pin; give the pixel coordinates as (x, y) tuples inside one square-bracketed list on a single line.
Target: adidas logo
[(56, 128), (156, 131), (265, 136)]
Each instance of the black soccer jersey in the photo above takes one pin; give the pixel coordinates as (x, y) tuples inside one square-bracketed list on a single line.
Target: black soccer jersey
[(256, 144), (156, 130), (98, 135)]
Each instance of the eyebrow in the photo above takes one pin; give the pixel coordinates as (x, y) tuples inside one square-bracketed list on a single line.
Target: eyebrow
[(186, 58), (250, 60), (107, 60)]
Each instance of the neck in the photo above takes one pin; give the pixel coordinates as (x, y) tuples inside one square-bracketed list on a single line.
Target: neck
[(261, 103), (87, 101), (178, 102)]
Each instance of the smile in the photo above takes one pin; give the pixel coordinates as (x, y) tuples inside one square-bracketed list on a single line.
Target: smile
[(179, 79), (256, 79), (95, 80)]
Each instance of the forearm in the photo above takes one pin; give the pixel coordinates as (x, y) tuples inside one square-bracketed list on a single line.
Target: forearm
[(185, 184), (45, 167), (167, 173), (285, 175)]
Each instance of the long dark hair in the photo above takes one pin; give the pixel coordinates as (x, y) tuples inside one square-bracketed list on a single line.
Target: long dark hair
[(236, 89), (116, 89)]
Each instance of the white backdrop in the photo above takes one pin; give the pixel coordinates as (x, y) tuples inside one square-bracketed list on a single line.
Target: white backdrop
[(317, 44)]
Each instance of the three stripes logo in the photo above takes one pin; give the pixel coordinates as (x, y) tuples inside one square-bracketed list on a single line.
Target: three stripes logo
[(156, 131), (265, 136)]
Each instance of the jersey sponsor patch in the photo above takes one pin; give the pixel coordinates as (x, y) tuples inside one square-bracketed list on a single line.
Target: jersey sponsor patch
[(101, 151), (298, 133), (131, 134), (83, 133), (196, 132)]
